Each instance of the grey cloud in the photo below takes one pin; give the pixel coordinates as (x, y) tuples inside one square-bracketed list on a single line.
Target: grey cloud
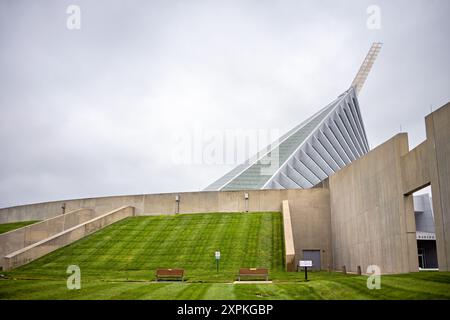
[(92, 112)]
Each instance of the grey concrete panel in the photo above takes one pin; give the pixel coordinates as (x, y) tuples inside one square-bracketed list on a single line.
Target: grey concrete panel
[(311, 226), (371, 220)]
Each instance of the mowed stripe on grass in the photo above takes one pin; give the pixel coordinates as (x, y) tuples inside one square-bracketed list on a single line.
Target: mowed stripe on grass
[(322, 285), (133, 248), (118, 262)]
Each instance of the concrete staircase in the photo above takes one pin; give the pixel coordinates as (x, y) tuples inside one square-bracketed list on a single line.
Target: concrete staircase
[(21, 246)]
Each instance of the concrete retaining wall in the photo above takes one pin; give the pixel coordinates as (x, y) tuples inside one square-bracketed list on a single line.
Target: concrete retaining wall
[(288, 238), (155, 204), (47, 210), (20, 238), (41, 248), (308, 209)]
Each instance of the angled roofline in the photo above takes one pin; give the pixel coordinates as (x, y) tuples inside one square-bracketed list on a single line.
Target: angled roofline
[(269, 148), (337, 103)]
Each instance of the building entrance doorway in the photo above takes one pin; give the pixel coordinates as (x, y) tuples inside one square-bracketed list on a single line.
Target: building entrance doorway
[(426, 250), (425, 230), (421, 258), (314, 256)]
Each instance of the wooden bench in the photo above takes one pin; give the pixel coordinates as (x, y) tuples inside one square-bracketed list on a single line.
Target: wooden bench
[(254, 273), (170, 274)]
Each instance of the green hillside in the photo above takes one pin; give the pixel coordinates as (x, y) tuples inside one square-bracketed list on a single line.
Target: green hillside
[(119, 261), (133, 248)]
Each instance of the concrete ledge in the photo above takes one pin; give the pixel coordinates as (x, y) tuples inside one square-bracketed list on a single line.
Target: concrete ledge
[(415, 168), (288, 237), (23, 237), (59, 240)]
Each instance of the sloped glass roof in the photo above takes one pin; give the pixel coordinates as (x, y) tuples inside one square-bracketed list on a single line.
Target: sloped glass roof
[(255, 176)]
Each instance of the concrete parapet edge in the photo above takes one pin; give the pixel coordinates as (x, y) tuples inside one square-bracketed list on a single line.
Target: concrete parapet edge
[(288, 237), (66, 237), (17, 239)]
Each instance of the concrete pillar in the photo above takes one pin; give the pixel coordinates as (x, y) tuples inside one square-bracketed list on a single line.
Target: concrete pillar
[(438, 136), (288, 237)]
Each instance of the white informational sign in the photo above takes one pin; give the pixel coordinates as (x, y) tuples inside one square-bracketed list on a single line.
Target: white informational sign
[(305, 263), (217, 255)]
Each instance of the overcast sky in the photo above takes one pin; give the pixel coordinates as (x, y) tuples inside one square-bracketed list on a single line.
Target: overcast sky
[(98, 111)]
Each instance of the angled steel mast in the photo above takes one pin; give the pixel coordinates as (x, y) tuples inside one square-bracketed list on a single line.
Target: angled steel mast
[(367, 64), (312, 151)]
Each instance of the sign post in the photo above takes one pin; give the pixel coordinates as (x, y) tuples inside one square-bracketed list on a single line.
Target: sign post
[(305, 264), (217, 254)]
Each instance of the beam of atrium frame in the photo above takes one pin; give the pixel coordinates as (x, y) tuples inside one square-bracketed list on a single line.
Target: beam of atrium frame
[(366, 66), (306, 155)]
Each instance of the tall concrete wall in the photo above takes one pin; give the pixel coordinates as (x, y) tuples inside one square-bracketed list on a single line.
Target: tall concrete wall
[(311, 225), (372, 222), (20, 238), (59, 240), (438, 137)]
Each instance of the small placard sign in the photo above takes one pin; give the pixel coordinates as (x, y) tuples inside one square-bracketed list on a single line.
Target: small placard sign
[(305, 263), (217, 255)]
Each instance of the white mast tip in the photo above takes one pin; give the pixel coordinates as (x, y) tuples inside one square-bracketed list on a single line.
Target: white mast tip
[(367, 64)]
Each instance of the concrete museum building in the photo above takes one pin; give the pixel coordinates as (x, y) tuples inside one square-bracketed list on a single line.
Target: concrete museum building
[(342, 204)]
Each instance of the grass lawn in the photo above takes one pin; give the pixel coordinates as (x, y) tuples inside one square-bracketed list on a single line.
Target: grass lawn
[(118, 262), (133, 248), (5, 227), (321, 285)]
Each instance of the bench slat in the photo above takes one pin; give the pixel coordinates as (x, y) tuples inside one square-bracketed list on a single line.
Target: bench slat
[(253, 272), (170, 273)]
